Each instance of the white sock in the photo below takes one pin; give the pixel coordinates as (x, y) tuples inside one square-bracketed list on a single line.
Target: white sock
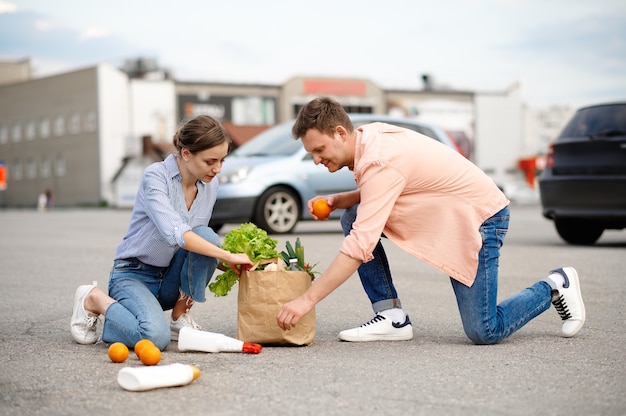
[(395, 314), (558, 280)]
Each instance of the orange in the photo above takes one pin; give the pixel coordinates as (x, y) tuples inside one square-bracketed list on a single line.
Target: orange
[(321, 209), (150, 355), (140, 346), (118, 352)]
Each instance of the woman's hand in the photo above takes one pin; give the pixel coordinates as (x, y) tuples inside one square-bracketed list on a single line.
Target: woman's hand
[(239, 262)]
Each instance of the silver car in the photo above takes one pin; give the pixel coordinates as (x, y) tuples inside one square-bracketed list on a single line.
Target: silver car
[(270, 178)]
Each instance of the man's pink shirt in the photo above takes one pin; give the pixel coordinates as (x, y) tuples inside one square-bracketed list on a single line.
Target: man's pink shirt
[(425, 197)]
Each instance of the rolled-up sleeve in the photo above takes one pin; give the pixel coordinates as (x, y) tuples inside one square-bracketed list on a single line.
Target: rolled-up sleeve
[(374, 209)]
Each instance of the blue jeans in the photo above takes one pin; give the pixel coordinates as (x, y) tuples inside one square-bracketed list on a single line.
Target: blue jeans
[(484, 321), (143, 292)]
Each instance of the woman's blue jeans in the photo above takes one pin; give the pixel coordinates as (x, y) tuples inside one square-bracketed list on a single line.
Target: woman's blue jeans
[(143, 292), (484, 320)]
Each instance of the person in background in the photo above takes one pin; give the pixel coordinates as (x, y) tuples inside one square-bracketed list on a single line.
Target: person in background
[(49, 200), (168, 254), (42, 202), (434, 204)]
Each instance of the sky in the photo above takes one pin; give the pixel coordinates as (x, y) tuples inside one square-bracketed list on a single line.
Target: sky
[(562, 52)]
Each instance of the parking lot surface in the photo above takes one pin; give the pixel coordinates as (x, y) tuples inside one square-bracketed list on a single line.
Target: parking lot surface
[(45, 256)]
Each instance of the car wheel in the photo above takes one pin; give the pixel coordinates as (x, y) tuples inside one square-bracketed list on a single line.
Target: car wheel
[(278, 210), (579, 232)]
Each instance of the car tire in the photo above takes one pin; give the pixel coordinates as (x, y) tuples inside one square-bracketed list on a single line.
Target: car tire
[(278, 210), (577, 231)]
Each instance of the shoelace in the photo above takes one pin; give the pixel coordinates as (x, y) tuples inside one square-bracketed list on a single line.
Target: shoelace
[(561, 308), (90, 324), (375, 319), (187, 318)]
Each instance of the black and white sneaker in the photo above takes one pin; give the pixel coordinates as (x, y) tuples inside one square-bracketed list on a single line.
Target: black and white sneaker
[(379, 329), (568, 302)]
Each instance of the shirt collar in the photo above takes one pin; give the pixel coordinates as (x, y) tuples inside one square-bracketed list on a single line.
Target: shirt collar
[(171, 166), (173, 170)]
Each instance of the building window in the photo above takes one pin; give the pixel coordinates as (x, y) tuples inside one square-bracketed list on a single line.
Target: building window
[(358, 109), (90, 122), (59, 166), (4, 134), (59, 126), (17, 132), (16, 172), (74, 124), (253, 111), (45, 168), (44, 128), (31, 168), (31, 130)]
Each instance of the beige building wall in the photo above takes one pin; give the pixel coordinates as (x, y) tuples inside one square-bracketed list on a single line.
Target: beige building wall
[(49, 138), (14, 71)]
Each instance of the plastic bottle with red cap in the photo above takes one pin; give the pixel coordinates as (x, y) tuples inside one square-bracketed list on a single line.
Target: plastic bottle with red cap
[(190, 339)]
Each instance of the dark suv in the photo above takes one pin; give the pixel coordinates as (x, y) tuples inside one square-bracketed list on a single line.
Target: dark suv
[(583, 188)]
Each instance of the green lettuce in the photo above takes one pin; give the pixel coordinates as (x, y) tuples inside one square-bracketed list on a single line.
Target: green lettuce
[(248, 239)]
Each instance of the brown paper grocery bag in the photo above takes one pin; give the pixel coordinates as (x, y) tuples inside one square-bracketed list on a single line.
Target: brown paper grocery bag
[(261, 295)]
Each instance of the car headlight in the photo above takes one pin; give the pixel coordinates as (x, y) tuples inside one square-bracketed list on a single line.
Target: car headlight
[(235, 176)]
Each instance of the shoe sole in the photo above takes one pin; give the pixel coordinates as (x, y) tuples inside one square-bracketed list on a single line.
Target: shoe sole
[(376, 337)]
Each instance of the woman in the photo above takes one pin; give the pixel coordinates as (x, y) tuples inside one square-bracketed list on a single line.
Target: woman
[(169, 253)]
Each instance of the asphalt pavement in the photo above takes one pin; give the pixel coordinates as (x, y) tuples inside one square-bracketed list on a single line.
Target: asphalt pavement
[(45, 256)]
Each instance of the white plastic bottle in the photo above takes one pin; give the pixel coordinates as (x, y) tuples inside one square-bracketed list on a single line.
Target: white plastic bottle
[(154, 377), (190, 339)]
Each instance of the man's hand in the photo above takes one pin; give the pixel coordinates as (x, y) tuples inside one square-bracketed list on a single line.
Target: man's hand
[(291, 312)]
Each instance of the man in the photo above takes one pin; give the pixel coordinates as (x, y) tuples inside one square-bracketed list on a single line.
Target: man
[(437, 206)]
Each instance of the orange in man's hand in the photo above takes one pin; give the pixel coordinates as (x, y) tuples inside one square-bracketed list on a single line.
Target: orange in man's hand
[(140, 345), (150, 355), (321, 209), (118, 352)]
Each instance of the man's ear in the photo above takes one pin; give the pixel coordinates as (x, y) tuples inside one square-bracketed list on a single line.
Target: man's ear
[(341, 131)]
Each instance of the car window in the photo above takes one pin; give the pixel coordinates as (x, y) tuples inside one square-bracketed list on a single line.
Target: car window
[(593, 121), (276, 141)]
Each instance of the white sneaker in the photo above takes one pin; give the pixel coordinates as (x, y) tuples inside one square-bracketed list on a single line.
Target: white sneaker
[(184, 321), (568, 302), (379, 329), (83, 325)]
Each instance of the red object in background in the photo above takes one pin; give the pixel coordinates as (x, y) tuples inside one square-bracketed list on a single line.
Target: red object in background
[(334, 87), (529, 166), (3, 176)]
